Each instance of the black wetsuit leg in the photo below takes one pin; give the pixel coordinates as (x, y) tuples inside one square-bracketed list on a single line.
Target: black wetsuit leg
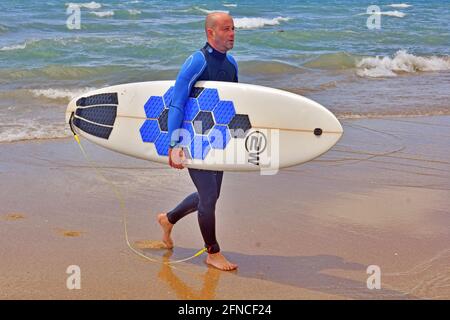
[(208, 184)]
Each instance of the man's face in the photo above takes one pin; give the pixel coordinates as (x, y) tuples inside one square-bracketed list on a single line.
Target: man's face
[(223, 34)]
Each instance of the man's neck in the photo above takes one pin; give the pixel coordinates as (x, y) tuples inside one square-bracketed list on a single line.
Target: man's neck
[(215, 48)]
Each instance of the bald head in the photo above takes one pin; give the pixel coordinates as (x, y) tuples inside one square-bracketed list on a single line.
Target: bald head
[(219, 29), (212, 19)]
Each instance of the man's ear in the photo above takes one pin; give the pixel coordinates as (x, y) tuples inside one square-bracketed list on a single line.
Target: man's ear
[(210, 32)]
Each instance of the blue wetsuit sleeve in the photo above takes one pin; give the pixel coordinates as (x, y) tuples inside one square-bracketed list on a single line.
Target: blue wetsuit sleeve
[(233, 61), (189, 73)]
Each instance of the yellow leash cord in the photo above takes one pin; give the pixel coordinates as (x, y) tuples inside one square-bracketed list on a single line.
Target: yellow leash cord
[(122, 205)]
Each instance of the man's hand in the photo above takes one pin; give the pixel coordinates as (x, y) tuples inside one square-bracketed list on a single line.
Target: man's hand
[(176, 158)]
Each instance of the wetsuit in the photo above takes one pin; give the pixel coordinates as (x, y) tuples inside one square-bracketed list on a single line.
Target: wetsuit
[(205, 64)]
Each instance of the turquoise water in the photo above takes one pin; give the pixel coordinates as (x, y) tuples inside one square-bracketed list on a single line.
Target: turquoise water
[(325, 52)]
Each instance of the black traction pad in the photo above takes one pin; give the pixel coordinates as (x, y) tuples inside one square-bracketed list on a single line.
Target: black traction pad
[(102, 98), (100, 114), (93, 129)]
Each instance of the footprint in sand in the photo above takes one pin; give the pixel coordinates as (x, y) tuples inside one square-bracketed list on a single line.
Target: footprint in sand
[(149, 244), (14, 216)]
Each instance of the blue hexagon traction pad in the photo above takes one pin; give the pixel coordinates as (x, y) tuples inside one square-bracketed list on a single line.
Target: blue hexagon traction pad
[(162, 144), (150, 131), (224, 112), (209, 123), (208, 99), (153, 107), (199, 147)]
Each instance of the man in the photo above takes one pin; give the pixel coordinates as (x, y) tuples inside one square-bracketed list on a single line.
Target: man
[(210, 63)]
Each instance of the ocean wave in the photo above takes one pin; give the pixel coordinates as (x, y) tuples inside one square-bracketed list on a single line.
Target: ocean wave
[(103, 14), (230, 5), (3, 29), (379, 66), (134, 11), (209, 11), (254, 23), (399, 5), (266, 68), (395, 13), (59, 72), (14, 47), (90, 5), (65, 94), (401, 62), (332, 61), (32, 130), (429, 112), (126, 13)]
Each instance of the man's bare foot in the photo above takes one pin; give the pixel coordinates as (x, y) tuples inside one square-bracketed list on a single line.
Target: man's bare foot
[(218, 261), (167, 229)]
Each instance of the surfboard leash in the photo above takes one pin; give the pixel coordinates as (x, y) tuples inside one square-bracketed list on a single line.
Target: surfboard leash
[(122, 204)]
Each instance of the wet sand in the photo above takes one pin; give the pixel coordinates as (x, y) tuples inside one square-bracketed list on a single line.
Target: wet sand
[(379, 197)]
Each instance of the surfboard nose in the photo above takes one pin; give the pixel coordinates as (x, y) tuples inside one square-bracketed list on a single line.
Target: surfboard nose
[(335, 129), (332, 124), (94, 114), (71, 108)]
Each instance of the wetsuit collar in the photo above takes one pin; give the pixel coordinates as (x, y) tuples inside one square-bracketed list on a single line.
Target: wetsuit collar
[(214, 52)]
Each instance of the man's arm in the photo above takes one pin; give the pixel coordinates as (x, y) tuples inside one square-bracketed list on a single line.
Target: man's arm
[(188, 75)]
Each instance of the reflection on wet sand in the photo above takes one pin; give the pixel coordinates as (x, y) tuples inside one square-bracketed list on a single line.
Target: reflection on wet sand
[(210, 280)]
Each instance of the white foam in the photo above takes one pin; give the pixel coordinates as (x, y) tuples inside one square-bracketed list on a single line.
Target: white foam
[(254, 23), (210, 11), (67, 94), (396, 13), (90, 5), (400, 5), (31, 130), (134, 12), (401, 62), (14, 47), (103, 14), (230, 5)]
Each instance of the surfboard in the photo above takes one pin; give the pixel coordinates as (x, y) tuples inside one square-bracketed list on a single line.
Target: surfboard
[(226, 126)]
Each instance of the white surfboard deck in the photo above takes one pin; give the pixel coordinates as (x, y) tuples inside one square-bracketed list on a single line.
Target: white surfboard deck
[(278, 128)]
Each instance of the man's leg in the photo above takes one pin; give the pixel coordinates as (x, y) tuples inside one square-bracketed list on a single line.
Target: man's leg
[(190, 203), (208, 185), (206, 182), (167, 220)]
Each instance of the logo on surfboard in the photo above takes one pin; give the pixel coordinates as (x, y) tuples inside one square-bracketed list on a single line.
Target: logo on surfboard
[(255, 144)]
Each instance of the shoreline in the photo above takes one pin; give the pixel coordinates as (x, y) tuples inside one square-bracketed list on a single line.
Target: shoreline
[(379, 197), (342, 118)]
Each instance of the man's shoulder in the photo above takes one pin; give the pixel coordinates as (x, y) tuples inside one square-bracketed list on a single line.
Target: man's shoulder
[(197, 57), (193, 64), (232, 60)]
